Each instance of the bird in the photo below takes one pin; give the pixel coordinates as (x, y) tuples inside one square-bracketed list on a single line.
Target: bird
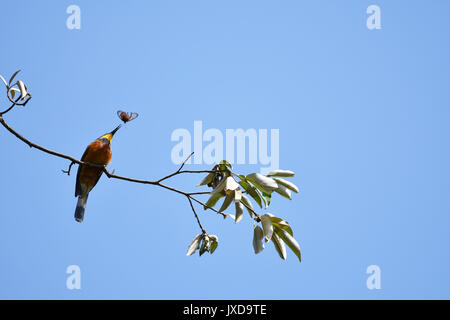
[(98, 152)]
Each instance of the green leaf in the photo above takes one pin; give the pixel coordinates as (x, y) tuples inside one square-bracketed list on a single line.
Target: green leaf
[(263, 186), (206, 245), (239, 211), (213, 247), (258, 244), (266, 196), (267, 227), (216, 194), (237, 195), (285, 192), (290, 241), (224, 168), (13, 76), (282, 224), (281, 173), (263, 183), (194, 245), (214, 243), (251, 191), (13, 93), (226, 203), (213, 200), (287, 184), (208, 179), (226, 163), (202, 248), (220, 187), (279, 245), (247, 204)]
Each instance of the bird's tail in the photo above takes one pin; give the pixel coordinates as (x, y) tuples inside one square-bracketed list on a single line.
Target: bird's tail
[(81, 206)]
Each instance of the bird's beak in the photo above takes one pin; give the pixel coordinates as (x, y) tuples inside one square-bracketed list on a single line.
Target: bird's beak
[(115, 130), (110, 135)]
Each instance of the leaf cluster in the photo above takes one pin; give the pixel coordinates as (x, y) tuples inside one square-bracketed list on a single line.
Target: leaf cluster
[(242, 191)]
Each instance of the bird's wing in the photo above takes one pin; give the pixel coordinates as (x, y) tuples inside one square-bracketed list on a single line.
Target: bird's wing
[(77, 185)]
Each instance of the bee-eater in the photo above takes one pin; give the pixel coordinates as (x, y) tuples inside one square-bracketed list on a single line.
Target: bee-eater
[(98, 152)]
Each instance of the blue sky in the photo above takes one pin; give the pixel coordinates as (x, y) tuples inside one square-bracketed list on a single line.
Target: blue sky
[(363, 118)]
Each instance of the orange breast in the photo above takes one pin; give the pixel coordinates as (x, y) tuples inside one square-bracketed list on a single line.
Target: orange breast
[(98, 152)]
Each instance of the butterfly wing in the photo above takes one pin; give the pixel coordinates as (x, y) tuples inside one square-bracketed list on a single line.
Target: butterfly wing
[(126, 116), (119, 113), (132, 116), (122, 115)]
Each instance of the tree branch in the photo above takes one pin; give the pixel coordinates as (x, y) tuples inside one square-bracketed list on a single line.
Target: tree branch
[(114, 176), (214, 179)]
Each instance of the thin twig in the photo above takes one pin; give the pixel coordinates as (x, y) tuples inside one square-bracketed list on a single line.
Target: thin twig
[(7, 110), (198, 193), (184, 162), (258, 218), (179, 169), (68, 170), (195, 213)]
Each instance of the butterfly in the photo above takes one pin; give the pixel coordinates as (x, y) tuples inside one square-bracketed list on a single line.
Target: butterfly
[(127, 116)]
